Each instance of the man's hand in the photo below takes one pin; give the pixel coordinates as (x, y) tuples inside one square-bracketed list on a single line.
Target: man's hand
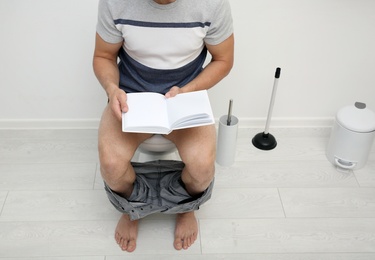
[(117, 103), (173, 92)]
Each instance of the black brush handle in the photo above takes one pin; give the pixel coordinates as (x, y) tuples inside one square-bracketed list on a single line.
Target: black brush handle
[(277, 73)]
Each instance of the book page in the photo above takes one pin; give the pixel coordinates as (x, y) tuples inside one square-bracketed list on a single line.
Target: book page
[(147, 113), (190, 109)]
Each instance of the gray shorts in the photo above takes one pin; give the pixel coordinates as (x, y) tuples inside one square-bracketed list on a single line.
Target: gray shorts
[(158, 189)]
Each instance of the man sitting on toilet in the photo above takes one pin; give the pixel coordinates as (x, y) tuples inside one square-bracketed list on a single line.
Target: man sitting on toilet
[(161, 46)]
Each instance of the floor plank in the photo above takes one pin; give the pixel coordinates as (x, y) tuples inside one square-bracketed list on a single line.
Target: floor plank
[(57, 206), (242, 203), (60, 176), (57, 258), (36, 239), (329, 202), (3, 196), (48, 150), (283, 174), (334, 235), (254, 257), (366, 175), (83, 238)]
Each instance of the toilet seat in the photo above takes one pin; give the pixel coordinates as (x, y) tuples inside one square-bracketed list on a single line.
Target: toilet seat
[(156, 147)]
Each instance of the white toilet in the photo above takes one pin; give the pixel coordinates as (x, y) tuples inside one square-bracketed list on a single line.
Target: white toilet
[(156, 148)]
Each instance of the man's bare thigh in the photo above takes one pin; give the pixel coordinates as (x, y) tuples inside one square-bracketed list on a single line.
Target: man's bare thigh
[(194, 142), (114, 142)]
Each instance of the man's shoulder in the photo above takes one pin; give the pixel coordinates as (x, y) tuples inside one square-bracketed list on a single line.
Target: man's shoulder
[(208, 3), (123, 3)]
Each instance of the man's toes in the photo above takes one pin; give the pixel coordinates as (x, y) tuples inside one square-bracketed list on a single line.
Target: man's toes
[(178, 243), (188, 242), (124, 244), (131, 246), (118, 238), (128, 245), (185, 243)]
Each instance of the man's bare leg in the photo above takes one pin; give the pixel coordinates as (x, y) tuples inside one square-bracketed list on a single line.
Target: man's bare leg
[(197, 150), (126, 233), (115, 152), (186, 230)]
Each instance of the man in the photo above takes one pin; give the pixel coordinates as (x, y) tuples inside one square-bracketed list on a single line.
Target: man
[(161, 45)]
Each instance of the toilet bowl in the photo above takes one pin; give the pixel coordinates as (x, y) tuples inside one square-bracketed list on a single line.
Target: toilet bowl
[(156, 147)]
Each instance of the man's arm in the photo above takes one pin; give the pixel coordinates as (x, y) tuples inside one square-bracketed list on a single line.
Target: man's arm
[(219, 67), (106, 70)]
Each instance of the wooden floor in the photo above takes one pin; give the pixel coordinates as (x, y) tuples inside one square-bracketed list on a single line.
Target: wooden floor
[(285, 204)]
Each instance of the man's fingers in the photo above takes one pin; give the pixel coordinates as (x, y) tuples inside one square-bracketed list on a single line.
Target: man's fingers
[(172, 92), (118, 104), (123, 103)]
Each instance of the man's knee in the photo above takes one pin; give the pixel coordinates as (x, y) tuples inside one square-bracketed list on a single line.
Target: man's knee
[(113, 168), (202, 170)]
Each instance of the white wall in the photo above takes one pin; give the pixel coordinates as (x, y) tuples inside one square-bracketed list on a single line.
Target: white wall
[(324, 47)]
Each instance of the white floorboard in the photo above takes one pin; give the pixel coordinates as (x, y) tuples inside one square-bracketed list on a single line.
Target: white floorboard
[(57, 206), (288, 235), (242, 203), (285, 204), (46, 176), (329, 202), (366, 175), (288, 173)]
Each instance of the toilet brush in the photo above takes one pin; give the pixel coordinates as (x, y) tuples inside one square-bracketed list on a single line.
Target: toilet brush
[(264, 140)]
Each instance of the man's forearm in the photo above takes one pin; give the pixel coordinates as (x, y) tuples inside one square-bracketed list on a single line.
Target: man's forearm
[(107, 73), (219, 67), (212, 74)]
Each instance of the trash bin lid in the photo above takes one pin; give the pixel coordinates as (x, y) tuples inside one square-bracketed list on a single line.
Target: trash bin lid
[(357, 118)]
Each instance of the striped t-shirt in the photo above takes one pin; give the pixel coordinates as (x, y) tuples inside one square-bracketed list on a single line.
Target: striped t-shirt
[(164, 45)]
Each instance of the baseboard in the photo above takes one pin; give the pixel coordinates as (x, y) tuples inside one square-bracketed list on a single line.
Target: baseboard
[(26, 124), (290, 122), (21, 124)]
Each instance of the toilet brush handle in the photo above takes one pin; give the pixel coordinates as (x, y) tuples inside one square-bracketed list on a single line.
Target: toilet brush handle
[(229, 117)]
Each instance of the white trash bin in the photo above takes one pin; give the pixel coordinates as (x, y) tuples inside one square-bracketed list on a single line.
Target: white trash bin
[(351, 137)]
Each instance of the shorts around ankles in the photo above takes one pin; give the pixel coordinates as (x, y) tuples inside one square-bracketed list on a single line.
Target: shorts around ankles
[(158, 189)]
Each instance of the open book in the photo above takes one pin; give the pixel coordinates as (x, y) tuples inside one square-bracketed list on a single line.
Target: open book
[(153, 113)]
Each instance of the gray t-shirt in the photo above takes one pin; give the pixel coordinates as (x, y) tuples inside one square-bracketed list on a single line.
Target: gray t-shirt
[(163, 45)]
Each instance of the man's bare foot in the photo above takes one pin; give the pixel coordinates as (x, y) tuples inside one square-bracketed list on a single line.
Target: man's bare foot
[(186, 231), (126, 233)]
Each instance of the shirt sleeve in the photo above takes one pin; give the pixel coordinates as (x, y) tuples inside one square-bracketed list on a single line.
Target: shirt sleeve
[(221, 25), (106, 27)]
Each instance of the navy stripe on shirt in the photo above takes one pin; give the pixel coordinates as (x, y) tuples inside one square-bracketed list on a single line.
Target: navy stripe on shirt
[(161, 25), (135, 77)]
